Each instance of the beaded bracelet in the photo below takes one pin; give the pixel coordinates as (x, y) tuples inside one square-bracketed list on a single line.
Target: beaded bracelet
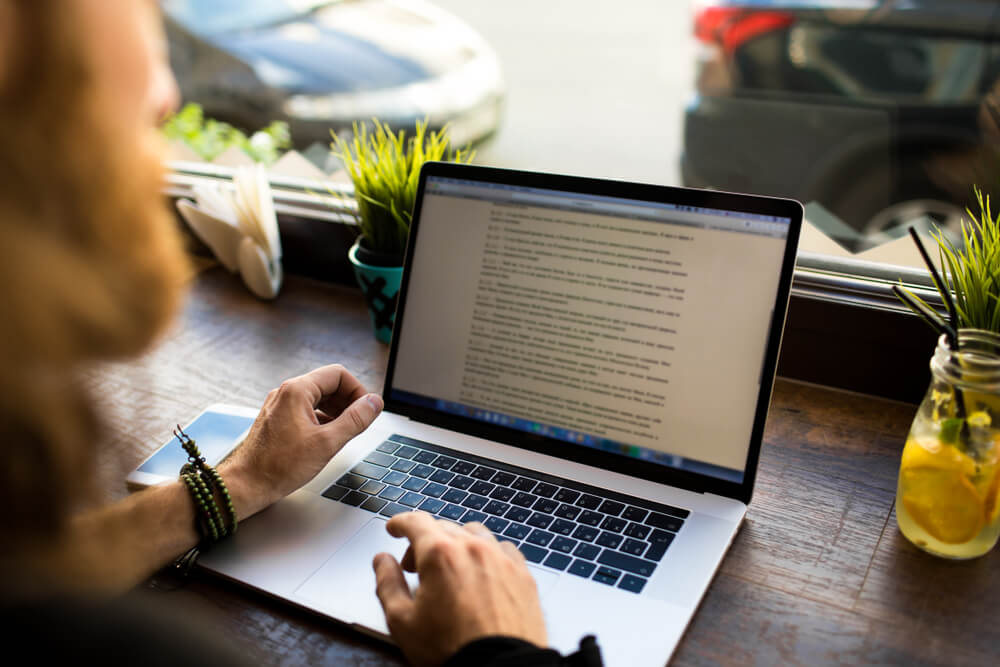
[(204, 483)]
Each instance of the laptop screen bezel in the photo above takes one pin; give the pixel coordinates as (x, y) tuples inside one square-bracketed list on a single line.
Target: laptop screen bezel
[(701, 483)]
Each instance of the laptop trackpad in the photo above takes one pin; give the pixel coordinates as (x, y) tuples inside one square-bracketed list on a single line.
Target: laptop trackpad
[(345, 586)]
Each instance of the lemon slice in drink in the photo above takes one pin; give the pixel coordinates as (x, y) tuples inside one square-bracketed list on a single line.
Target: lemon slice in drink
[(944, 503), (934, 454), (937, 491)]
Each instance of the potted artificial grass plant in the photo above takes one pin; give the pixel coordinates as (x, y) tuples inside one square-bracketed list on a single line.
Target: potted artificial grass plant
[(384, 168)]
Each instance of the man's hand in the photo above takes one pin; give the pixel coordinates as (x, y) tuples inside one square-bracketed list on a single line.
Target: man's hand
[(471, 587), (302, 424)]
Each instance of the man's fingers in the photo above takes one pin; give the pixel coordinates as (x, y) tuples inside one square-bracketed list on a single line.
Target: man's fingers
[(392, 590), (479, 530), (409, 561), (412, 525), (355, 418), (512, 551), (332, 380)]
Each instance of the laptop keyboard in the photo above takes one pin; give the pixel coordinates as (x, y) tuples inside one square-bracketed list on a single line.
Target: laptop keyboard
[(601, 535)]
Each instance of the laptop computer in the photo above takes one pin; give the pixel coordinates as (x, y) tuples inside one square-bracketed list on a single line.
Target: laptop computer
[(582, 365)]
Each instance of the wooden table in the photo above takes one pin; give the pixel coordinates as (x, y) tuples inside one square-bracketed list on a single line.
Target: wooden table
[(818, 574)]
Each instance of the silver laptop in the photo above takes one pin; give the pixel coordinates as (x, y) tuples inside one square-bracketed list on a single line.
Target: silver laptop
[(585, 367)]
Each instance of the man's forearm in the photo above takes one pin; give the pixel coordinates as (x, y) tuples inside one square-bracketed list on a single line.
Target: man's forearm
[(113, 548)]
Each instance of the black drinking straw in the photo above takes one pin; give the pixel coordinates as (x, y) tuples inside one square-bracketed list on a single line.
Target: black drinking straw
[(942, 288), (929, 314), (950, 331)]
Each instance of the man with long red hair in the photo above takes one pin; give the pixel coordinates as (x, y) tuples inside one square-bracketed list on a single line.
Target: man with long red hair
[(91, 269)]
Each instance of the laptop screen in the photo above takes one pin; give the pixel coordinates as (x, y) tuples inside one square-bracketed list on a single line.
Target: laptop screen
[(631, 326)]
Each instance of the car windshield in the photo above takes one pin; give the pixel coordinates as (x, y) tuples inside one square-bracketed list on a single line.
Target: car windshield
[(214, 16)]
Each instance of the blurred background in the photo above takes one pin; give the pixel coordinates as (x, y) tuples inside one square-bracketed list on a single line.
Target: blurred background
[(877, 115)]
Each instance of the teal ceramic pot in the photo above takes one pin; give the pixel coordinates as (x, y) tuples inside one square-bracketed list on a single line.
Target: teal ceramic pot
[(380, 285)]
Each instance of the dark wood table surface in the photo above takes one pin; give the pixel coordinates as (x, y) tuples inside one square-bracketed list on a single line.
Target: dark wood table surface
[(818, 574)]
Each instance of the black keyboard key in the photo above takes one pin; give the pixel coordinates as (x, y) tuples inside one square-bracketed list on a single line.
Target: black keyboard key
[(657, 549), (461, 482), (632, 583), (637, 530), (463, 468), (606, 575), (395, 478), (355, 498), (518, 514), (432, 505), (414, 484), (336, 492), (387, 447), (532, 553), (482, 488), (372, 487), (557, 561), (567, 495), (568, 511), (633, 547), (539, 520), (380, 459), (586, 533), (475, 502), (546, 505), (412, 499), (589, 502), (483, 473), (406, 452), (496, 524), (453, 512), (563, 544), (612, 507), (523, 484), (352, 481), (374, 504), (663, 521), (502, 493), (581, 568), (472, 516), (540, 537), (588, 551), (424, 457), (524, 499), (516, 531), (434, 490), (454, 495), (563, 527), (402, 465), (503, 478), (621, 561), (391, 493), (423, 471), (614, 524), (634, 513), (661, 536), (444, 462), (590, 518), (392, 509), (609, 540), (442, 476), (496, 507), (545, 490)]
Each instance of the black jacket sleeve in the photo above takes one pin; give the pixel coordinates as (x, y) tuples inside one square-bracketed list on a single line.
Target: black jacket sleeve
[(510, 652)]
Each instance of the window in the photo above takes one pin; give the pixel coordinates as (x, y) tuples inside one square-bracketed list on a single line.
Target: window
[(876, 116)]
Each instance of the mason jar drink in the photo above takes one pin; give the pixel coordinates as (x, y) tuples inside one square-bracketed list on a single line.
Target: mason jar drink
[(948, 493)]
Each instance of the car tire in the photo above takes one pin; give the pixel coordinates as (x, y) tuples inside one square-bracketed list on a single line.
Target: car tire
[(871, 202)]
